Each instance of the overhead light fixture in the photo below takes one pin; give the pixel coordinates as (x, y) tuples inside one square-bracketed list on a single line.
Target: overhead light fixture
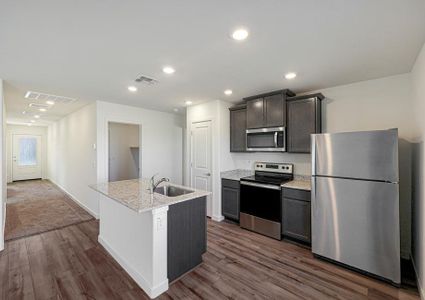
[(50, 102), (240, 34), (32, 121), (37, 116), (29, 124), (228, 92), (132, 88), (24, 112), (290, 75), (188, 102), (168, 70), (42, 109)]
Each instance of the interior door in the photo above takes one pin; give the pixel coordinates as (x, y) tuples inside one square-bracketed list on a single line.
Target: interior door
[(26, 157), (201, 159)]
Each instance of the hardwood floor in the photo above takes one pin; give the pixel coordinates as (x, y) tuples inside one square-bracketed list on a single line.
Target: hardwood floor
[(69, 263)]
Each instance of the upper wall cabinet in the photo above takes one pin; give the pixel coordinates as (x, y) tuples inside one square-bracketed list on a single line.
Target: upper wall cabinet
[(304, 118), (267, 110), (238, 128)]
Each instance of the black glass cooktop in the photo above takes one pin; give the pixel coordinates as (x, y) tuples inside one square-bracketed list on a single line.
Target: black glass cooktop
[(269, 178)]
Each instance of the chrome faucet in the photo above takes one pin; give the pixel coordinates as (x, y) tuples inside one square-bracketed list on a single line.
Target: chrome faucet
[(155, 185)]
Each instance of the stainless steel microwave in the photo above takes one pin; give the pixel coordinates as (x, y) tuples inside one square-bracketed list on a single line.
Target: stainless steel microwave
[(266, 139)]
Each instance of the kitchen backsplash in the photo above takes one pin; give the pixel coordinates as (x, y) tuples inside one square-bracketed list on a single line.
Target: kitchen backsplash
[(302, 162)]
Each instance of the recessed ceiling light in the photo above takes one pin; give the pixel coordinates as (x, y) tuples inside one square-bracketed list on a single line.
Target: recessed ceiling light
[(50, 102), (176, 109), (24, 112), (29, 124), (132, 88), (32, 121), (290, 75), (42, 109), (37, 116), (240, 34), (188, 102), (228, 92), (168, 70)]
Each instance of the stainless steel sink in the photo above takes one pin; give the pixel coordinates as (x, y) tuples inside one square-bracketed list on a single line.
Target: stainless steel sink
[(172, 191)]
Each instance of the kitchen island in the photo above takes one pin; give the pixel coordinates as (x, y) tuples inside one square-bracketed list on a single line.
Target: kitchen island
[(155, 237)]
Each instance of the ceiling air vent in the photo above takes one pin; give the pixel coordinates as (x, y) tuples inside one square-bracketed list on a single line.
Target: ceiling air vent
[(38, 105), (146, 80), (48, 97)]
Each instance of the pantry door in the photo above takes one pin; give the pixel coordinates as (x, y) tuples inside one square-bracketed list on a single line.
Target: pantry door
[(26, 157)]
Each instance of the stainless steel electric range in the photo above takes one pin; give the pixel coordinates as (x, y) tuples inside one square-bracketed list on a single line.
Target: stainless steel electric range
[(260, 199)]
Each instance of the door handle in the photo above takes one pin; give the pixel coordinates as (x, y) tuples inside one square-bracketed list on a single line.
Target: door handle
[(275, 139)]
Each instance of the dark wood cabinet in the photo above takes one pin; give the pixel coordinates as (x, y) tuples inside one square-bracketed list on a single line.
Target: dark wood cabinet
[(187, 237), (238, 128), (255, 113), (267, 110), (230, 204), (296, 214), (303, 119), (275, 110)]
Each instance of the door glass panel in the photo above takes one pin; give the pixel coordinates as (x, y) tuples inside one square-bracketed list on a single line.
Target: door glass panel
[(27, 151)]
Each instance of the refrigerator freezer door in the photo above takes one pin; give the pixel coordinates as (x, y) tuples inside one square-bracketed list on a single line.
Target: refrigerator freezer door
[(356, 223), (369, 155)]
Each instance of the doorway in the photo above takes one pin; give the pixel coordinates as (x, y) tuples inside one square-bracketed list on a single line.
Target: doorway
[(123, 151), (201, 159), (26, 157)]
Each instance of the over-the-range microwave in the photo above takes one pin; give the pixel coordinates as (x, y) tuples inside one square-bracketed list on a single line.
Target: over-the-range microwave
[(266, 139)]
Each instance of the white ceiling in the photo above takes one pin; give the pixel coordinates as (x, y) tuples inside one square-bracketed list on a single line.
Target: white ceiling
[(95, 49)]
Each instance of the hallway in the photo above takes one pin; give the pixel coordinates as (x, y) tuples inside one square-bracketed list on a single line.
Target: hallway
[(37, 206)]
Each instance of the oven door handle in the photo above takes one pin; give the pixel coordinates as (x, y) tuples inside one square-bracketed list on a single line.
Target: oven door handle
[(262, 185)]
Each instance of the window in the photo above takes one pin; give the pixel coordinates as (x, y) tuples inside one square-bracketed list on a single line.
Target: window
[(27, 151)]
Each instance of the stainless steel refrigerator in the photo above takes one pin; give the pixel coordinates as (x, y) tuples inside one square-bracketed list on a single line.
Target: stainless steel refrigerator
[(355, 201)]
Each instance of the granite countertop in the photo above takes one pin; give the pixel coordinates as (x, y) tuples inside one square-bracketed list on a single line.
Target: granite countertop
[(300, 182), (236, 174), (135, 194)]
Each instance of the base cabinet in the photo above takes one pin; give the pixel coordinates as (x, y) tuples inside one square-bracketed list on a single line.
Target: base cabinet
[(296, 214), (230, 202), (187, 236)]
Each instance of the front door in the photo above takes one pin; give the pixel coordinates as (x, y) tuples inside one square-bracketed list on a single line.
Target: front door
[(26, 157), (201, 159)]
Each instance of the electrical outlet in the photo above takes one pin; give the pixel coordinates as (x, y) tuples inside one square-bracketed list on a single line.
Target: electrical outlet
[(159, 224)]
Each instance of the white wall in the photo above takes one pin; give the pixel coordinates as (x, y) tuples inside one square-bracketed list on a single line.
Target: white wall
[(22, 129), (418, 88), (161, 139), (3, 176), (72, 157), (123, 151)]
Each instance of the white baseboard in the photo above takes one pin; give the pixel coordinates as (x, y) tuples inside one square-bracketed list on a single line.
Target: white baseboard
[(418, 280), (95, 215), (217, 218), (3, 227), (152, 291)]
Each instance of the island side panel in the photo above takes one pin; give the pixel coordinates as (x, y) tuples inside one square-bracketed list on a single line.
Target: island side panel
[(186, 236), (131, 237)]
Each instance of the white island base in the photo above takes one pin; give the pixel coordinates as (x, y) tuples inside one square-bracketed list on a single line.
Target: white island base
[(137, 241)]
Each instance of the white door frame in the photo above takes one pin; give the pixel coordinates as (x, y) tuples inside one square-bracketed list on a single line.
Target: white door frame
[(103, 170), (214, 184), (39, 148)]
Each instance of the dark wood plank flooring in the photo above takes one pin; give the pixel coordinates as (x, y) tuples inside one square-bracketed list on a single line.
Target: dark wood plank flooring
[(69, 263)]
